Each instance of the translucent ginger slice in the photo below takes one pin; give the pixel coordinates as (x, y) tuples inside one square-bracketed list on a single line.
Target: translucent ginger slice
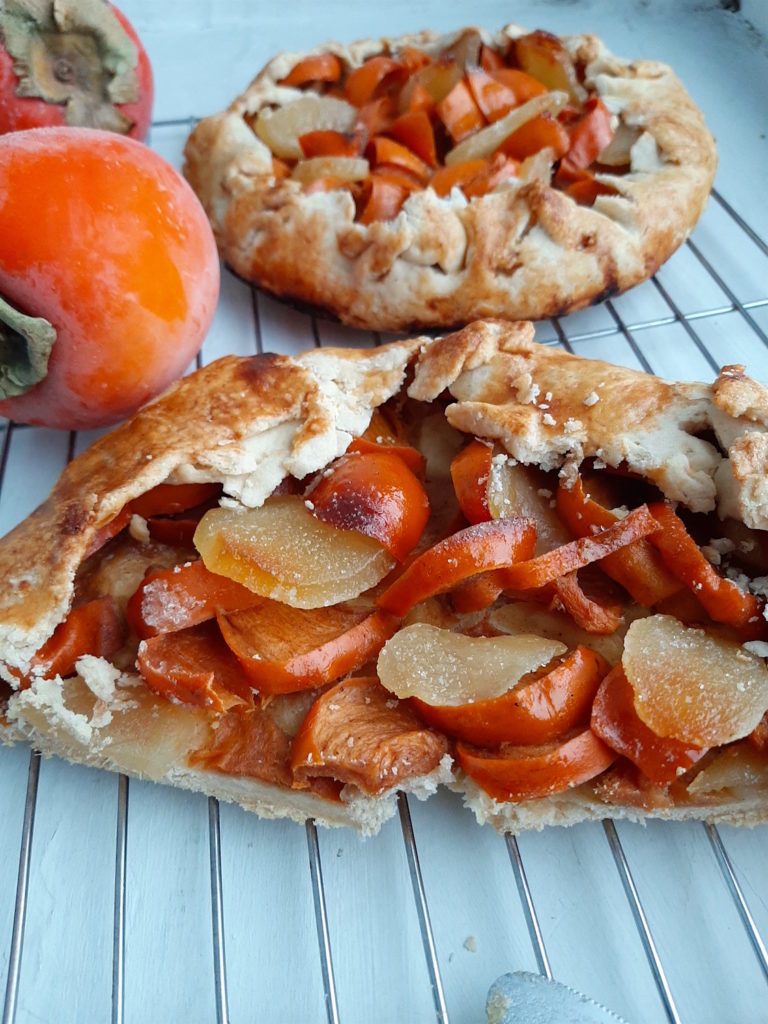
[(447, 669), (346, 168), (282, 552), (281, 127), (517, 617), (691, 685)]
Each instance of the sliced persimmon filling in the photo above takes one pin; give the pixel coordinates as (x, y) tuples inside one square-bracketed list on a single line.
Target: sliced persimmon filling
[(465, 117), (553, 636), (358, 733)]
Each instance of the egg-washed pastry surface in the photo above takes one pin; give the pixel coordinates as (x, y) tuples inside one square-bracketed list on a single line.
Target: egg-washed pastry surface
[(429, 180), (305, 584)]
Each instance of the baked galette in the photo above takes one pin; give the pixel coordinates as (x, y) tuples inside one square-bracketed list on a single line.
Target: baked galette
[(305, 584), (430, 180)]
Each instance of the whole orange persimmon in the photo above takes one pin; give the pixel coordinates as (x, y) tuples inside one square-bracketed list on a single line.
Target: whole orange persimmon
[(109, 276)]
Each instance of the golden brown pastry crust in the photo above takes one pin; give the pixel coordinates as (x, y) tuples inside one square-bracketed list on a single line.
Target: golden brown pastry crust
[(525, 251), (249, 422)]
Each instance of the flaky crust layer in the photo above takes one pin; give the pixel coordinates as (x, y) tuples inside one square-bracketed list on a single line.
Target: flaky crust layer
[(526, 250), (248, 423)]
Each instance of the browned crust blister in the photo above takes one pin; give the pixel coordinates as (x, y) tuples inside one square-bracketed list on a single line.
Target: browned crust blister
[(248, 423), (525, 251)]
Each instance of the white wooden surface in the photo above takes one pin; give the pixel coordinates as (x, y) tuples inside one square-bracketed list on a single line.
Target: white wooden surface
[(203, 53)]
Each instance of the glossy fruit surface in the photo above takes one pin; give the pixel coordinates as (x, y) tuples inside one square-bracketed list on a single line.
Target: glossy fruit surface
[(107, 248)]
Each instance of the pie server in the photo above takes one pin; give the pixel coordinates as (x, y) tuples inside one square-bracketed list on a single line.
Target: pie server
[(525, 998)]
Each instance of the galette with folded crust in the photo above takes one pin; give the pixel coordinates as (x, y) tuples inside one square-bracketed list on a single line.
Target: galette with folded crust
[(430, 180), (306, 584)]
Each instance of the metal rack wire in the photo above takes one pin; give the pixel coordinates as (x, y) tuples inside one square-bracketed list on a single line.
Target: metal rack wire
[(571, 333)]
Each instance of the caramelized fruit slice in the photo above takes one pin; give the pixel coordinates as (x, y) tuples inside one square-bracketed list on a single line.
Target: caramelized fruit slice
[(448, 669), (376, 494), (545, 58), (616, 722), (184, 596), (92, 628), (691, 685), (478, 548), (470, 471), (524, 773), (638, 567), (356, 732), (321, 67), (579, 553), (280, 127), (537, 710), (285, 649), (488, 140), (194, 666), (282, 551)]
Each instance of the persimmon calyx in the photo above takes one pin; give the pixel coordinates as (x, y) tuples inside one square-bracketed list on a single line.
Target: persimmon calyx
[(25, 348), (76, 53)]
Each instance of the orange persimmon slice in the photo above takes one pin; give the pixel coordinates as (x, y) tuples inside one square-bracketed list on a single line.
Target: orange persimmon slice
[(420, 99), (375, 74), (587, 613), (533, 136), (383, 153), (497, 169), (489, 59), (414, 130), (92, 628), (759, 735), (357, 732), (638, 567), (590, 135), (381, 198), (578, 553), (459, 112), (171, 599), (721, 598), (321, 67), (412, 457), (374, 493), (586, 189), (330, 143), (479, 592), (193, 666), (616, 722), (375, 117), (492, 97), (413, 58), (515, 773), (540, 708), (522, 85), (460, 174), (176, 532), (109, 530), (470, 472), (284, 649), (169, 499), (248, 743), (476, 549)]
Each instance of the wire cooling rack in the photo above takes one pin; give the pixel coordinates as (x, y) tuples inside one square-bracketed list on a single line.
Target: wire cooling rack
[(135, 903)]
